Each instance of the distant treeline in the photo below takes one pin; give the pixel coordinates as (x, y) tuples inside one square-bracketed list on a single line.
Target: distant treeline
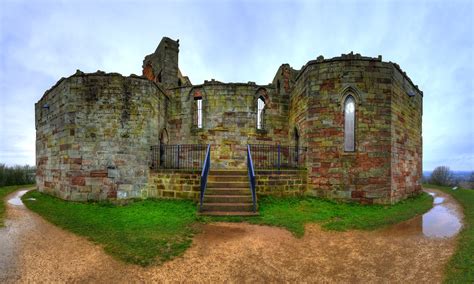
[(16, 175), (442, 175)]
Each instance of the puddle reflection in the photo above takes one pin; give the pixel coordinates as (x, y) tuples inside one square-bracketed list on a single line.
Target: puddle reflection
[(16, 199), (441, 221)]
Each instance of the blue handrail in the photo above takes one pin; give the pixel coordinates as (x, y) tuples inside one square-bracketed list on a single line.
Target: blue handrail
[(205, 172), (251, 172)]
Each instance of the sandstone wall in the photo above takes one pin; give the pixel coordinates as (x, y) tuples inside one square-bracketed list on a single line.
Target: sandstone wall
[(362, 175), (229, 120), (406, 132), (185, 184), (284, 183), (93, 140), (174, 184)]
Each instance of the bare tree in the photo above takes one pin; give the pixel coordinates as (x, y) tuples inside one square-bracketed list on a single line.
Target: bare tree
[(442, 176)]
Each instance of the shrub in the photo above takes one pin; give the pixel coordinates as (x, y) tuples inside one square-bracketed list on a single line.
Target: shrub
[(442, 176)]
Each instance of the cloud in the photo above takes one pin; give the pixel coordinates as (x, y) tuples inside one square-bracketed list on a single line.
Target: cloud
[(234, 41)]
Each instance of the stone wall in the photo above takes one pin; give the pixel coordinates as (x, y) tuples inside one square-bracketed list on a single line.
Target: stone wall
[(174, 184), (362, 175), (229, 119), (283, 183), (94, 133), (185, 184), (406, 132)]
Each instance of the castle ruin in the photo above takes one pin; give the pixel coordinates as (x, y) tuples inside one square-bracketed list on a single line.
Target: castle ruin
[(345, 128)]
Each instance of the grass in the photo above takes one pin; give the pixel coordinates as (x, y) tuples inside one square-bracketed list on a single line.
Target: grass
[(142, 232), (460, 268), (151, 231), (293, 213), (4, 191)]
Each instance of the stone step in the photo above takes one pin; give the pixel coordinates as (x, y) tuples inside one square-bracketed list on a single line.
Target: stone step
[(227, 207), (227, 184), (227, 213), (225, 178), (227, 198), (227, 191)]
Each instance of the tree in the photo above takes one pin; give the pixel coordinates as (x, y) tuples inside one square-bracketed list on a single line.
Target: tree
[(442, 176)]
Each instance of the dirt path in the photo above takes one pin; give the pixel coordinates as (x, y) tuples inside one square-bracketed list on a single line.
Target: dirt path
[(32, 250)]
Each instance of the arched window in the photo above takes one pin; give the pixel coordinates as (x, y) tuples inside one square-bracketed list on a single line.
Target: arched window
[(260, 113), (198, 112), (349, 124), (197, 109)]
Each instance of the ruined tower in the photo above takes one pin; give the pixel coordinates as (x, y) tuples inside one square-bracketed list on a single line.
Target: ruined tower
[(162, 65)]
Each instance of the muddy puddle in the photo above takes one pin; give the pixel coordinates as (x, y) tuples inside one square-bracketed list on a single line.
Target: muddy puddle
[(444, 220), (16, 198)]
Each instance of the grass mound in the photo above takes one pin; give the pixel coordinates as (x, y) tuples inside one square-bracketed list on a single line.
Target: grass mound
[(143, 232)]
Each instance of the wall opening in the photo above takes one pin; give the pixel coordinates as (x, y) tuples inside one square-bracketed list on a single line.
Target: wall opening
[(297, 145), (198, 112), (349, 124), (260, 113)]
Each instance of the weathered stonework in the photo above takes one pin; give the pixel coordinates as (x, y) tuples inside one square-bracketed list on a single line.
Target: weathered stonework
[(94, 131), (93, 136), (174, 184), (282, 183)]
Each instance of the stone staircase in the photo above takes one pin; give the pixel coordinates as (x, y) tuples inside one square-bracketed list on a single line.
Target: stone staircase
[(228, 194)]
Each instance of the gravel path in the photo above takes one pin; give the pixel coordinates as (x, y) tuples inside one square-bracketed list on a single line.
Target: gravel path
[(32, 250)]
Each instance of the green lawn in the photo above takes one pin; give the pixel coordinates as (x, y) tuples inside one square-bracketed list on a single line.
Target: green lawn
[(460, 268), (143, 232), (293, 213), (150, 231), (4, 191)]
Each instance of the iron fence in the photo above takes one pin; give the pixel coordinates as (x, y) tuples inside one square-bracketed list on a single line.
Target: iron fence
[(184, 156), (277, 156)]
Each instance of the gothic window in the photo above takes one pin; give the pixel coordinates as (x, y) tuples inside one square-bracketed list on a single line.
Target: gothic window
[(349, 124), (198, 112), (260, 113)]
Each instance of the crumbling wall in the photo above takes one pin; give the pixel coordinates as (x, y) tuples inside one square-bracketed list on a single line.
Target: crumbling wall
[(162, 65), (93, 141)]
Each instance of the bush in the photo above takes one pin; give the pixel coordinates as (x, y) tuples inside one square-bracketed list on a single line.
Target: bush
[(16, 175), (442, 176)]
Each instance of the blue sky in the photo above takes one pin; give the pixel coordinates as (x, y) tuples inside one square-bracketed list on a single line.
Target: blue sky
[(240, 41)]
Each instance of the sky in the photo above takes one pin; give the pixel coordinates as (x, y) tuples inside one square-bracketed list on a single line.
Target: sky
[(240, 41)]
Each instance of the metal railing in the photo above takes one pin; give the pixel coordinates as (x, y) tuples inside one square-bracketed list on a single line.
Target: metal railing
[(204, 174), (277, 156), (251, 172), (185, 156)]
